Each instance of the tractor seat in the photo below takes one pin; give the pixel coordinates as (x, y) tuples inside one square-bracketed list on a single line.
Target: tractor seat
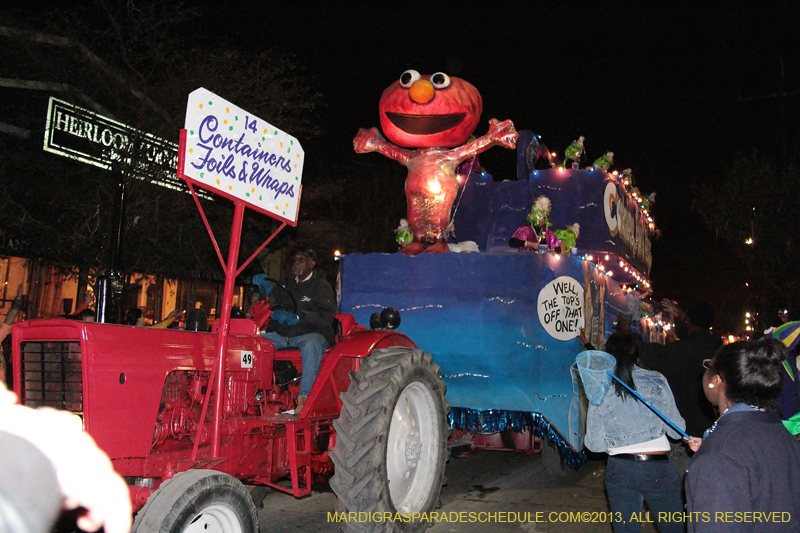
[(342, 325), (287, 354)]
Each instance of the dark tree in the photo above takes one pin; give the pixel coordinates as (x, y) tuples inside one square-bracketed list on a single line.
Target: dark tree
[(756, 209), (135, 62), (364, 197)]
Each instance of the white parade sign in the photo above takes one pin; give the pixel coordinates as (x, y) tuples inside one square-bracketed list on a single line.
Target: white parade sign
[(560, 307), (240, 156)]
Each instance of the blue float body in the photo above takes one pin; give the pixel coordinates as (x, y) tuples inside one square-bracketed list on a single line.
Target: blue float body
[(478, 313)]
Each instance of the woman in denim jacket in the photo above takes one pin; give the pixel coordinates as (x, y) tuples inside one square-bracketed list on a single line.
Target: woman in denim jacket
[(636, 442)]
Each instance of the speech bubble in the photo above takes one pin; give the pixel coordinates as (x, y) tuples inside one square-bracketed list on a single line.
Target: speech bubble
[(560, 308)]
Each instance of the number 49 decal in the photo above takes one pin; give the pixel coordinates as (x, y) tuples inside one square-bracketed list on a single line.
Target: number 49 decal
[(247, 359)]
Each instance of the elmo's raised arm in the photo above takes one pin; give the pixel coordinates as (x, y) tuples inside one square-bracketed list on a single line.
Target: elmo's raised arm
[(372, 141)]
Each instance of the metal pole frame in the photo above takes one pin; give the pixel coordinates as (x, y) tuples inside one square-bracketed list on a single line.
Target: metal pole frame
[(217, 381)]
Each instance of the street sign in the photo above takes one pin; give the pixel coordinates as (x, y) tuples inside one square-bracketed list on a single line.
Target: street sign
[(235, 154), (85, 136)]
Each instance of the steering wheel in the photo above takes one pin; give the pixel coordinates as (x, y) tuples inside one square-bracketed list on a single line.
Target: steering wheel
[(278, 285)]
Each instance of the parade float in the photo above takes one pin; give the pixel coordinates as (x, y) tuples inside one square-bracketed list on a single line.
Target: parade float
[(199, 422), (503, 322)]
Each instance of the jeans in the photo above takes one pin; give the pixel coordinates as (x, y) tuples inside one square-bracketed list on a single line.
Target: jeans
[(312, 346), (679, 457), (630, 482)]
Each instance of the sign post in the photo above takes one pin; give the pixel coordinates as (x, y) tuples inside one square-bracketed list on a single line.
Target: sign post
[(109, 284), (230, 152)]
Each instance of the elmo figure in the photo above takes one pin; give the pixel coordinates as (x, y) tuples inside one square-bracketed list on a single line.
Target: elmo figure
[(436, 115)]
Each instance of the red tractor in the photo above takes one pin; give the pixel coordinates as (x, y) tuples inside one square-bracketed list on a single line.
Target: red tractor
[(192, 419), (375, 420)]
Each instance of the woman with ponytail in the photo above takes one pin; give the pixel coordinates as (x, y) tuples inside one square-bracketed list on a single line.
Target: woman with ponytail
[(635, 439), (748, 464)]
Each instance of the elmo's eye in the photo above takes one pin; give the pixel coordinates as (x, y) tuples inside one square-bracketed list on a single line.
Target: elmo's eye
[(408, 78), (440, 80)]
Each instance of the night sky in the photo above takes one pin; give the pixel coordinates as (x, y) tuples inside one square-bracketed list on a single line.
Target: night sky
[(674, 89)]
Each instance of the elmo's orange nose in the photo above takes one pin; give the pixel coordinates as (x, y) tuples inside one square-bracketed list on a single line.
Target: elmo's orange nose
[(421, 91)]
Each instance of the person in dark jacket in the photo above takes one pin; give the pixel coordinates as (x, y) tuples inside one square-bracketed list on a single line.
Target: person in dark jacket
[(311, 328), (681, 362), (747, 462), (789, 398)]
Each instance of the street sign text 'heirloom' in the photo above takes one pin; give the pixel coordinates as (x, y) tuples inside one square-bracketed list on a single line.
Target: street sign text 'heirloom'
[(85, 136)]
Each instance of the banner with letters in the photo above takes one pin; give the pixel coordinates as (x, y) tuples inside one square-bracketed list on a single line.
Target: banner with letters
[(233, 153)]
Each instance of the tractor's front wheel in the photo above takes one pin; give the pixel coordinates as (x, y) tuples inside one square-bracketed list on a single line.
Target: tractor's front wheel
[(198, 501), (391, 440)]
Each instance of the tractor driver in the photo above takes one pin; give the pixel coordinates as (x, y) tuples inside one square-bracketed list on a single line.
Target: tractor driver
[(311, 329)]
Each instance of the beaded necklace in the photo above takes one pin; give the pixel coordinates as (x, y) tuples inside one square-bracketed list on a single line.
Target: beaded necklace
[(732, 409)]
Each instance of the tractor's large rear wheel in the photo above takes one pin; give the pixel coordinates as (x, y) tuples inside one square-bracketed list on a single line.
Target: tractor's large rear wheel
[(198, 501), (391, 440)]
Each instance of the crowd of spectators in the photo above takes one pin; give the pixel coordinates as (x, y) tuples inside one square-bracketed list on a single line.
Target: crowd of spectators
[(730, 399)]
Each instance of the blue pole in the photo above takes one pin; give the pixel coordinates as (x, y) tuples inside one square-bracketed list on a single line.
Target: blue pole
[(656, 411)]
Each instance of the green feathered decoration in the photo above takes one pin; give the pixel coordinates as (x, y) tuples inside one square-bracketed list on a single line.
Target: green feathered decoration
[(574, 151), (627, 178), (568, 236), (604, 161), (403, 234)]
